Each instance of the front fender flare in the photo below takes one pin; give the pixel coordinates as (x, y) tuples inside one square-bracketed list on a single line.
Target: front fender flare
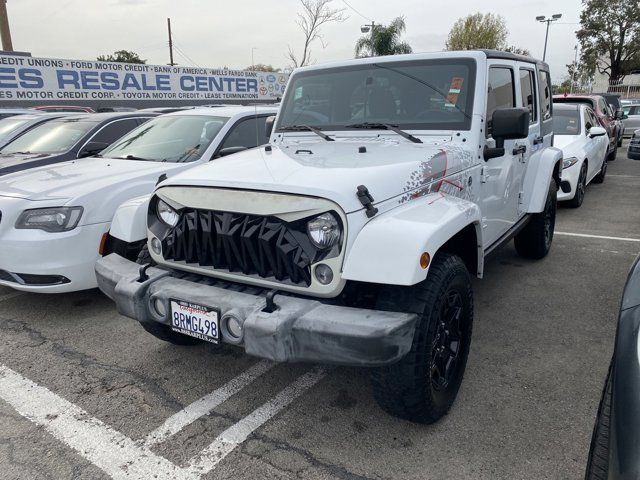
[(130, 220), (388, 248), (541, 171)]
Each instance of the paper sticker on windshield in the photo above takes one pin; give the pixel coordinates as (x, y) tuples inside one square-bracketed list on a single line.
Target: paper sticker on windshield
[(454, 91)]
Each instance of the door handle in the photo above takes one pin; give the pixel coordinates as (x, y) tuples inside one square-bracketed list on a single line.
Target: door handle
[(520, 149), (538, 140)]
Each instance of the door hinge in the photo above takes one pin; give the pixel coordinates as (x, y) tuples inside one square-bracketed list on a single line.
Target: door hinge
[(483, 176)]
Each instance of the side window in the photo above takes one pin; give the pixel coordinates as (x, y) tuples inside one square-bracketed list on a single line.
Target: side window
[(247, 133), (588, 120), (634, 111), (501, 92), (528, 93), (114, 130), (545, 94)]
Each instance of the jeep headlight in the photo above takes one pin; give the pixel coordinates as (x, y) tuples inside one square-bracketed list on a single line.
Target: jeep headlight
[(568, 162), (167, 213), (324, 230), (54, 219)]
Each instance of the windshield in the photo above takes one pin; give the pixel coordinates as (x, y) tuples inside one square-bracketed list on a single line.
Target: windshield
[(421, 95), (173, 138), (10, 124), (56, 136), (566, 122)]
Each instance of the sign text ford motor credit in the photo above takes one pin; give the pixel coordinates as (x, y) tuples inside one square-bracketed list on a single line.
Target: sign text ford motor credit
[(30, 78)]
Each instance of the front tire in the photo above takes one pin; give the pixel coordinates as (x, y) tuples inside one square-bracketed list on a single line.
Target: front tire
[(423, 385), (599, 178), (581, 188), (598, 463), (534, 240)]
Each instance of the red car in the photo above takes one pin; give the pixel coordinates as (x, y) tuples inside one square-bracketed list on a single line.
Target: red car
[(64, 108), (604, 114)]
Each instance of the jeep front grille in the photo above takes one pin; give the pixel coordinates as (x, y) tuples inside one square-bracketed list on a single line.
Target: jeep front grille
[(253, 245)]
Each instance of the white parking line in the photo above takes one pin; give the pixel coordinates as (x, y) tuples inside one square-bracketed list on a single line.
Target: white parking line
[(203, 406), (125, 459), (113, 452), (8, 296), (600, 237), (233, 436)]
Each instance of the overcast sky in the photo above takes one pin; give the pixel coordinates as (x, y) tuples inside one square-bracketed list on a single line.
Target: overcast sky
[(217, 33)]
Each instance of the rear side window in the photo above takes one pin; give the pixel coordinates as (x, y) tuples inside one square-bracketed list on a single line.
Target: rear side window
[(528, 92), (501, 92), (545, 94)]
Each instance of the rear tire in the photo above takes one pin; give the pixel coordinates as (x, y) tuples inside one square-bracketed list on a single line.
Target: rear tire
[(598, 463), (581, 188), (423, 385), (534, 240), (158, 330)]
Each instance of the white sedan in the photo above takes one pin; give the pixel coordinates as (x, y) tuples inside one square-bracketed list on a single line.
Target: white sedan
[(583, 141), (55, 219)]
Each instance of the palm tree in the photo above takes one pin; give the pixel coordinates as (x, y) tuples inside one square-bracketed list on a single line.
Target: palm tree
[(384, 40)]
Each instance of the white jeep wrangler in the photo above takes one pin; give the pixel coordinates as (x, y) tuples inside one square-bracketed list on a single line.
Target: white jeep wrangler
[(351, 238)]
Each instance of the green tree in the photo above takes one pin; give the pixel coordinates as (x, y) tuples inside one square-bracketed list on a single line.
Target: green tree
[(384, 40), (123, 56), (610, 36), (261, 67), (478, 31), (518, 50)]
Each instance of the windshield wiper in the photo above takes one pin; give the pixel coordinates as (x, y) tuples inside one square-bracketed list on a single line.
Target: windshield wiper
[(306, 128), (132, 157), (385, 126)]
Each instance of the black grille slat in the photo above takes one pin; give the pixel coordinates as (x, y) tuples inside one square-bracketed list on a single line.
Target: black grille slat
[(250, 244)]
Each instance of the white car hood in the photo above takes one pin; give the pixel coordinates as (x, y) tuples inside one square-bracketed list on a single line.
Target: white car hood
[(77, 178), (334, 170)]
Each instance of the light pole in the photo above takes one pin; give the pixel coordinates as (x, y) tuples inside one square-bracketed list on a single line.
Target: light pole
[(575, 67), (548, 21), (252, 61), (365, 29)]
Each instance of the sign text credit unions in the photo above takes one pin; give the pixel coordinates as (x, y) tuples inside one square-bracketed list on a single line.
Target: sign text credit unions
[(30, 78)]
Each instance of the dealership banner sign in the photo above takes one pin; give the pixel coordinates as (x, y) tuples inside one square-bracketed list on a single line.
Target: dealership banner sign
[(30, 78)]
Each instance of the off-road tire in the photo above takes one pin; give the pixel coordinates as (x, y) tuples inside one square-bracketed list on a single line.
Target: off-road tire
[(159, 330), (534, 240), (411, 388), (599, 178), (598, 463), (612, 156), (581, 188)]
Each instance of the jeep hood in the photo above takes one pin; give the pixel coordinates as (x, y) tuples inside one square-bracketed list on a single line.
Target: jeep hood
[(333, 170), (77, 178)]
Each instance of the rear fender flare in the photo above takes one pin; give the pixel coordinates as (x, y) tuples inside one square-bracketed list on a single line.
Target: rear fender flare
[(541, 171)]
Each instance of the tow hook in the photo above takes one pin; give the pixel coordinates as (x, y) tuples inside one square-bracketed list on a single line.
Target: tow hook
[(143, 277), (366, 200), (271, 305)]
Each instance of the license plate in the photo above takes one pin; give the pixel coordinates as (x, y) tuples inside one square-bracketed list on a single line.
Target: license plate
[(195, 320)]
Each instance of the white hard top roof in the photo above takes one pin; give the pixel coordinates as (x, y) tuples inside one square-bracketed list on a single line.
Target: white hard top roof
[(230, 111)]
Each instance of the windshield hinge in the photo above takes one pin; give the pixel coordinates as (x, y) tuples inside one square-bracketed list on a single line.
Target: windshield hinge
[(366, 200)]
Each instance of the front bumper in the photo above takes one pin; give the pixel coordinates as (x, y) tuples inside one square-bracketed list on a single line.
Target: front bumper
[(50, 262), (571, 175), (300, 330)]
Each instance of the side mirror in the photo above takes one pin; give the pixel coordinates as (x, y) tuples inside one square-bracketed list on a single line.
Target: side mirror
[(619, 115), (597, 132), (230, 151), (269, 125), (507, 124), (92, 148)]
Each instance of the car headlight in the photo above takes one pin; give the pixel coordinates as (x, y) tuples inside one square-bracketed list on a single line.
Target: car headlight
[(54, 219), (167, 213), (324, 230), (568, 162)]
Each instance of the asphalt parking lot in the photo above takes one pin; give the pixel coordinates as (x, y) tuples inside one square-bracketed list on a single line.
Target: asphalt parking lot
[(86, 394)]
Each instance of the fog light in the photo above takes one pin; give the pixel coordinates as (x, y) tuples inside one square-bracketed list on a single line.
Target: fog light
[(156, 246), (233, 326), (324, 274), (158, 306)]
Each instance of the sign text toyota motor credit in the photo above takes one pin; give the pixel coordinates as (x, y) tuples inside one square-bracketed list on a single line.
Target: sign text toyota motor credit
[(30, 78)]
